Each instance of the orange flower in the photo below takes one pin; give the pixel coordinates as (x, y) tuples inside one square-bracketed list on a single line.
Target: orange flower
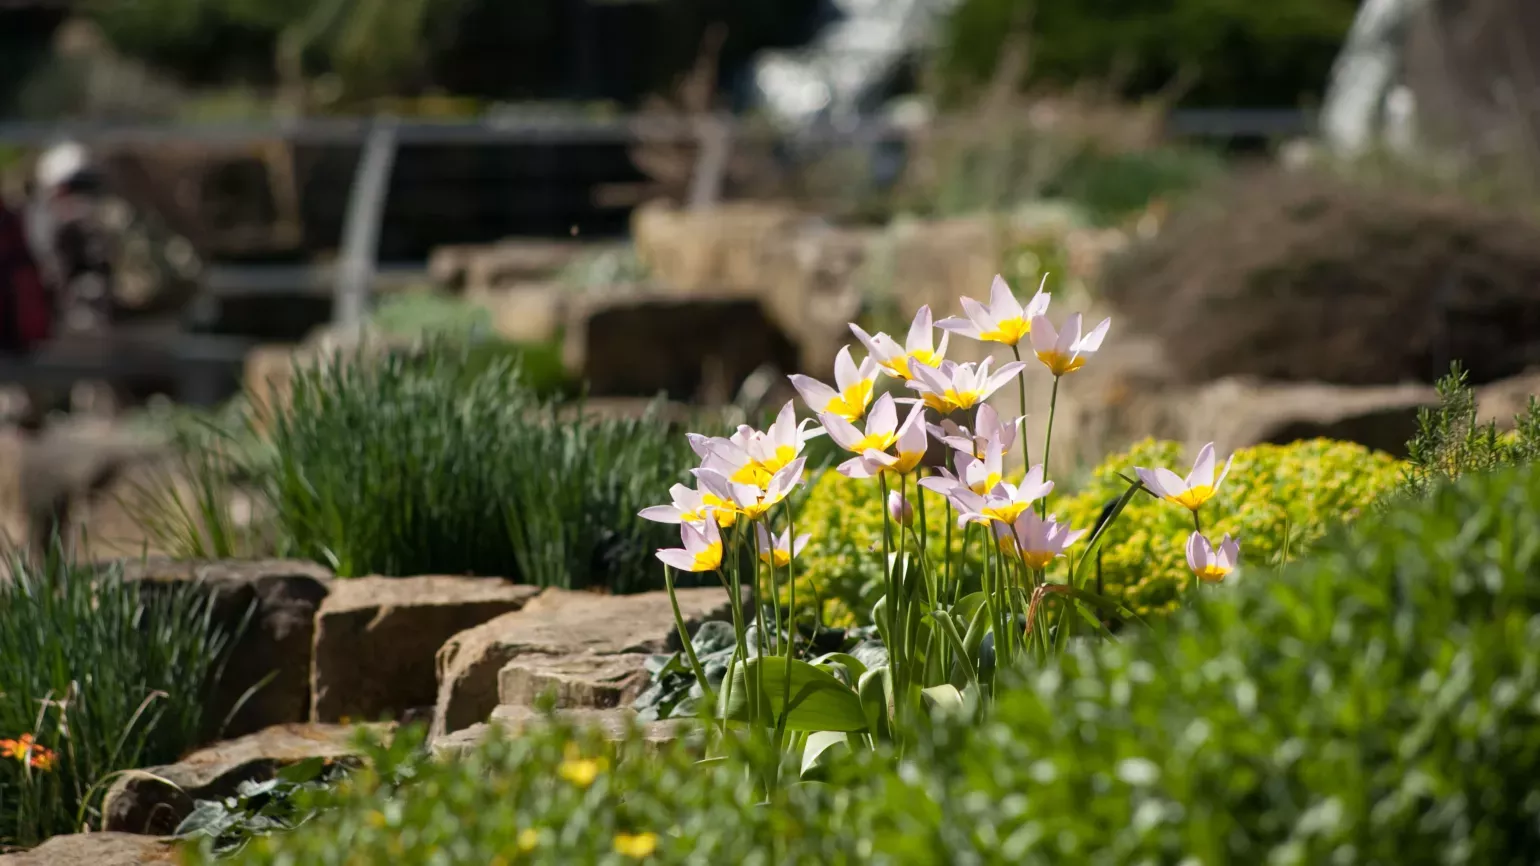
[(27, 750)]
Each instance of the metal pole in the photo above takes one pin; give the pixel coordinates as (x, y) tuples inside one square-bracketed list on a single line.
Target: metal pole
[(361, 226), (716, 143)]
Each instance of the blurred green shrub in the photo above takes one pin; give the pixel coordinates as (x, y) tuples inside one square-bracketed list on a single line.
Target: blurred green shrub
[(1240, 54), (1377, 703), (1450, 442), (446, 462), (102, 675), (1278, 499)]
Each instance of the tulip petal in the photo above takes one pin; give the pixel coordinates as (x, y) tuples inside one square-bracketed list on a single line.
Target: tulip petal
[(1002, 301), (660, 514), (679, 559), (1203, 468)]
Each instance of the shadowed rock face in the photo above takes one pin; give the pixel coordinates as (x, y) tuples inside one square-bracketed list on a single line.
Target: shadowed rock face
[(271, 660), (376, 638), (62, 466)]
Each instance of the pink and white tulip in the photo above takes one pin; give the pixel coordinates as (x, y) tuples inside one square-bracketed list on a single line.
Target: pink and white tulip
[(1004, 320), (1191, 492), (852, 394), (1064, 352), (919, 349), (702, 550), (1209, 563)]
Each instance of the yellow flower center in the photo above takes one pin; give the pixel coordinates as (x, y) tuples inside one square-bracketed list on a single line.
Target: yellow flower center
[(875, 442), (1006, 513), (528, 839), (987, 484), (725, 512), (1061, 363), (1037, 558), (1009, 332), (1193, 497), (852, 404), (775, 558), (752, 472), (1212, 573), (709, 559), (907, 461), (784, 454)]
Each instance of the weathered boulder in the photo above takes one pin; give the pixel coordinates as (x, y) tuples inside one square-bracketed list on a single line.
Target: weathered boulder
[(580, 641), (143, 802), (642, 342), (97, 849), (72, 464), (491, 267), (588, 680), (282, 597), (531, 312), (376, 638)]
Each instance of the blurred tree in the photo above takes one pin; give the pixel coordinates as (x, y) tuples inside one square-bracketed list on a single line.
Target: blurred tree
[(1239, 53), (496, 49)]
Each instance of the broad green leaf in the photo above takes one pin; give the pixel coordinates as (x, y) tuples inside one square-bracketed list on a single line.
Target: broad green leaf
[(818, 700), (851, 664), (876, 692), (822, 747), (946, 697)]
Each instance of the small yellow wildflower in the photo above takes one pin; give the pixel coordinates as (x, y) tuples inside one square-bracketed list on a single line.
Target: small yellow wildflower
[(638, 847), (579, 770)]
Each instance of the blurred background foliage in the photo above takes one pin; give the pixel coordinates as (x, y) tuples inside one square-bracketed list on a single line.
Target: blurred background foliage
[(1231, 53)]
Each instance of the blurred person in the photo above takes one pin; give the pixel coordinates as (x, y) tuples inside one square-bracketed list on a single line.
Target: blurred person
[(26, 309), (72, 245)]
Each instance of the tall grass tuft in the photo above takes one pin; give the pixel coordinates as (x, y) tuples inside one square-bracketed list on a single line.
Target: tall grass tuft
[(105, 677), (446, 462)]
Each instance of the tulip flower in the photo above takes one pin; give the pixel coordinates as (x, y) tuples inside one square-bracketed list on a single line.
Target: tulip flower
[(1004, 320), (1199, 486), (973, 474), (1005, 502), (881, 428), (748, 499), (956, 386), (691, 506), (753, 457), (1067, 351), (702, 549), (987, 428), (910, 441), (777, 550), (919, 348), (1210, 564), (899, 509), (855, 388), (1042, 540)]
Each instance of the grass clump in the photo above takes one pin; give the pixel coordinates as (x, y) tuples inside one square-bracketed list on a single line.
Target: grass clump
[(101, 677), (447, 462), (1377, 703)]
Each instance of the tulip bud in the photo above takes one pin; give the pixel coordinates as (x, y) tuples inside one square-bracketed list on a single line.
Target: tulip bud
[(899, 509)]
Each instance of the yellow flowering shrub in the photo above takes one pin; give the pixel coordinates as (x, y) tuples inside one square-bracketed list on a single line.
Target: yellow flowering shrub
[(1275, 496)]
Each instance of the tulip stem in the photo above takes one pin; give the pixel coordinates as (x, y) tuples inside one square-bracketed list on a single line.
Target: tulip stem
[(1021, 390), (1197, 524), (689, 646), (1053, 402)]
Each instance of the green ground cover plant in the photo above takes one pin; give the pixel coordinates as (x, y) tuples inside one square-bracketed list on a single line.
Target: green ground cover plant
[(1372, 703)]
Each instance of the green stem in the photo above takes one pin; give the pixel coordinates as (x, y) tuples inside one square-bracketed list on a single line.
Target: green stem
[(1197, 524), (689, 646), (1021, 390), (1053, 402)]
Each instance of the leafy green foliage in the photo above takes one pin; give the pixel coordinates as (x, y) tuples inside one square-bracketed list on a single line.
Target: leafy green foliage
[(104, 676), (1277, 499), (260, 808), (1374, 704), (447, 463), (1241, 54), (1450, 442)]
